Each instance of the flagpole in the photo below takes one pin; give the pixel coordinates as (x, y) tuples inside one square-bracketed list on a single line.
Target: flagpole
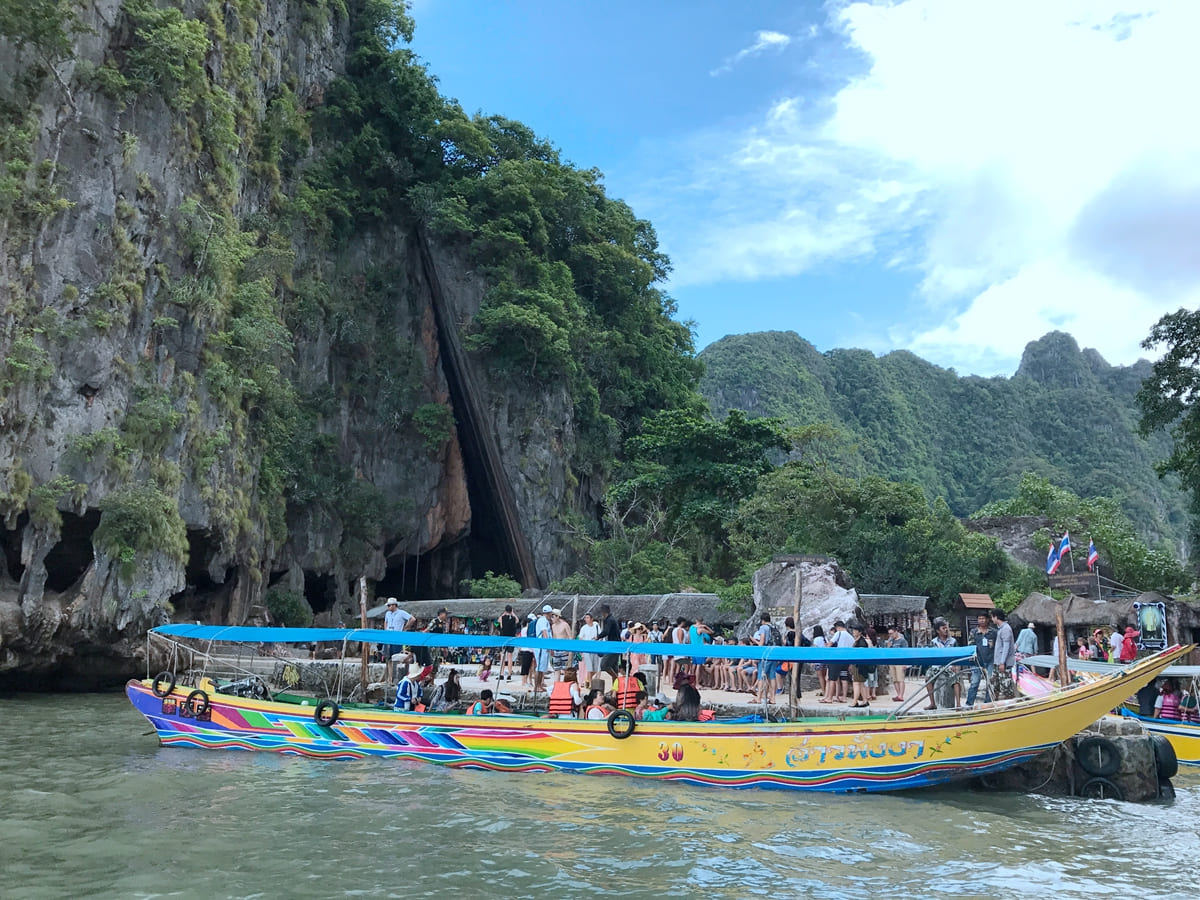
[(1068, 536)]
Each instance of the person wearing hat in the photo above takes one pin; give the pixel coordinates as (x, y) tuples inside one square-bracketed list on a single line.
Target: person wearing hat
[(1026, 642), (394, 619), (1129, 646), (638, 634)]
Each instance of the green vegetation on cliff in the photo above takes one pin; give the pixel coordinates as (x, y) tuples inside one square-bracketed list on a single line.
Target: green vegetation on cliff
[(1066, 416)]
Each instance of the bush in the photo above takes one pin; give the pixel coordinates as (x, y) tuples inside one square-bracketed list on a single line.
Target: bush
[(493, 585), (137, 520), (289, 608)]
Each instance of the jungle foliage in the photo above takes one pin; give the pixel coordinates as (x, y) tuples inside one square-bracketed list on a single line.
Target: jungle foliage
[(1065, 416)]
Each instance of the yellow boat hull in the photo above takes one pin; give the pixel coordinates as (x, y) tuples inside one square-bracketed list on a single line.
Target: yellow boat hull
[(856, 754)]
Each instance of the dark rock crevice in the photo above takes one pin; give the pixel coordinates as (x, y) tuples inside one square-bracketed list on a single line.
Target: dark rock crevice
[(70, 558)]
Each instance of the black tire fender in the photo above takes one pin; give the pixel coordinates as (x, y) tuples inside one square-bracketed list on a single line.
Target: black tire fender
[(1100, 789), (167, 678), (1166, 790), (1097, 755), (197, 703), (1164, 757), (326, 713), (621, 724)]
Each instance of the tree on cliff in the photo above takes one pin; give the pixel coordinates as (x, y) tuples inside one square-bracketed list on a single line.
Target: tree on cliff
[(1168, 398)]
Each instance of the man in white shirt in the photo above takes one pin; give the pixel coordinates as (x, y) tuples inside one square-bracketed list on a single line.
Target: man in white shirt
[(541, 656), (395, 619)]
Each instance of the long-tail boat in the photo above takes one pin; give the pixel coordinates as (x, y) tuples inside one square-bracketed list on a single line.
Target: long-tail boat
[(849, 753)]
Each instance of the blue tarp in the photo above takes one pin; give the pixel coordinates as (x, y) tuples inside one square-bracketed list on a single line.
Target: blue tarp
[(912, 656)]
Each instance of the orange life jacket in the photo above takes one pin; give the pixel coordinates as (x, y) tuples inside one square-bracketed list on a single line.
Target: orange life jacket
[(561, 702), (478, 705), (587, 713), (626, 690)]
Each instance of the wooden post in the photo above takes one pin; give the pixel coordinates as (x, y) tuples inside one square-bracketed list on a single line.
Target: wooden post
[(1064, 674), (366, 649), (794, 690)]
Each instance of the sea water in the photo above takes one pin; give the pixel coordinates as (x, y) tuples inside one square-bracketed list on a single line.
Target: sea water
[(94, 807)]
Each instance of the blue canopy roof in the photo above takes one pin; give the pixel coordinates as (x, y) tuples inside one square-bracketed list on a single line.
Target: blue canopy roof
[(868, 656)]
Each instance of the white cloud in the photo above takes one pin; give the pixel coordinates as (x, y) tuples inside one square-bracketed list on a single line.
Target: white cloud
[(763, 41), (1037, 163), (1021, 116)]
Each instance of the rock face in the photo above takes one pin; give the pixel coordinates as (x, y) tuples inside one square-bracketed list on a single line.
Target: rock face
[(195, 407), (825, 597)]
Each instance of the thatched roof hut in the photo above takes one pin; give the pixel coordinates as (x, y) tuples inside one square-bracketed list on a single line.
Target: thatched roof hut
[(1082, 614)]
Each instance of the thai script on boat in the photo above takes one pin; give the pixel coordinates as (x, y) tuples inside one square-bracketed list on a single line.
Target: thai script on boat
[(859, 748)]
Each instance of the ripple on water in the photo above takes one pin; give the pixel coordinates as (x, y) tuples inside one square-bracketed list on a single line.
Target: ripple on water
[(94, 807)]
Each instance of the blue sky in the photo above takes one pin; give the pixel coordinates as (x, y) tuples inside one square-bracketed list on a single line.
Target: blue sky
[(951, 177)]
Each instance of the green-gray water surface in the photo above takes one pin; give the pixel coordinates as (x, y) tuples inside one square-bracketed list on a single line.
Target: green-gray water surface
[(94, 807)]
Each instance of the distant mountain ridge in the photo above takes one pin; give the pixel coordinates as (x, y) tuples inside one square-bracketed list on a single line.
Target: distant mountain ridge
[(1066, 415)]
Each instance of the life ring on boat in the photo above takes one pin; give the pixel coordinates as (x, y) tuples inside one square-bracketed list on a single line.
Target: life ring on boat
[(1165, 759), (197, 703), (1100, 789), (621, 724), (326, 713), (167, 678), (1098, 756)]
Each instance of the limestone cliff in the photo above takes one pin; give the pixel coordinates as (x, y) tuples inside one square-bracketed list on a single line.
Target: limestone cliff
[(204, 398)]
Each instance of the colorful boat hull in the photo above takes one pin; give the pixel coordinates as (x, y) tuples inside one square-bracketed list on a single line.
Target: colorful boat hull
[(868, 753)]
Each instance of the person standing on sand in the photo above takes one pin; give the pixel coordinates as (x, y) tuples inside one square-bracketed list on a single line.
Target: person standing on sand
[(509, 626), (897, 641), (1004, 659)]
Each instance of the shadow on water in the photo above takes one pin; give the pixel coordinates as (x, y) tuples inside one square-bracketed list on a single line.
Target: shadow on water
[(95, 807)]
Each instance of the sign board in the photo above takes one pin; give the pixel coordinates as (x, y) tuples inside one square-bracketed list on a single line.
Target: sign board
[(796, 558), (1152, 623), (1081, 584)]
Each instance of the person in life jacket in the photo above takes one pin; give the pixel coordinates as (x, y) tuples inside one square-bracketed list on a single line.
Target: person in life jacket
[(1167, 706), (484, 705), (625, 688), (565, 698), (594, 706)]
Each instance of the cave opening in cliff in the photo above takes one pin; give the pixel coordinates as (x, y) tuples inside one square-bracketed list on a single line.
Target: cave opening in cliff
[(10, 545), (70, 557), (204, 598), (320, 591), (435, 575)]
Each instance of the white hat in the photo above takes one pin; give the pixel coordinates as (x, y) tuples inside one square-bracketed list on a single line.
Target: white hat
[(547, 608), (1028, 624), (531, 616), (392, 601), (557, 612)]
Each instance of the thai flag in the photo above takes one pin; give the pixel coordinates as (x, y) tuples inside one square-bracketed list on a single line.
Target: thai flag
[(1064, 546), (1053, 560), (1093, 555)]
